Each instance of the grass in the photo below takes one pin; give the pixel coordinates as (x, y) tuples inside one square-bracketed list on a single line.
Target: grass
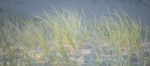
[(65, 37)]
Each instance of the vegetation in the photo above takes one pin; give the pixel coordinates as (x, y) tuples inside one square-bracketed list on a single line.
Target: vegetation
[(65, 37)]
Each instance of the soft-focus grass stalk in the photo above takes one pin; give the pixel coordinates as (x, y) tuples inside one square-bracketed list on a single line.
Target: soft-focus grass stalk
[(66, 30), (124, 33)]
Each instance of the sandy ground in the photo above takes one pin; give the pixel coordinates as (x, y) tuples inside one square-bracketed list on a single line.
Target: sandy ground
[(87, 56)]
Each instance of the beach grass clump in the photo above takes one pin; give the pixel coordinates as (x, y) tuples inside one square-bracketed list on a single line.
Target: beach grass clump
[(122, 37), (65, 37)]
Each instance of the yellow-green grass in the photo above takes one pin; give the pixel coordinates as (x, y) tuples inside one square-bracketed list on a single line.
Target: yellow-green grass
[(57, 37)]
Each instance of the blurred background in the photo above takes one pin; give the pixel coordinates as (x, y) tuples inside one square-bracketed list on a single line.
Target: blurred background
[(135, 8), (38, 34)]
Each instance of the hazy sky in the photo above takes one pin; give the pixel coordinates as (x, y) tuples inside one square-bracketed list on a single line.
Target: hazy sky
[(139, 8)]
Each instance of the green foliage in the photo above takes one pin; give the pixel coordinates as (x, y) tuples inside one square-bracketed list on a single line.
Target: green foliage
[(59, 37)]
